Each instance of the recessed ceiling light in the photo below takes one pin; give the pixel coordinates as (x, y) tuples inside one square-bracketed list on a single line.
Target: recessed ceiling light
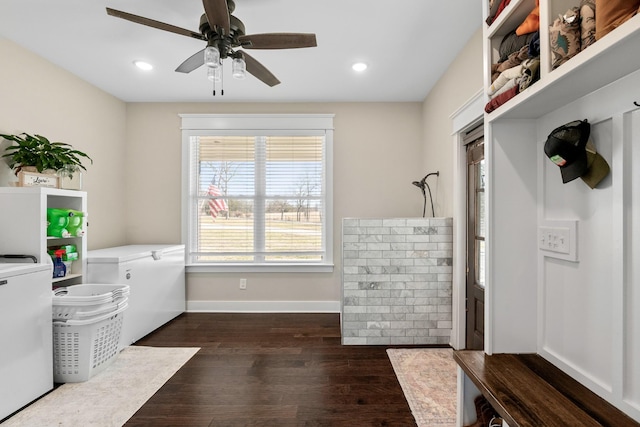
[(143, 65), (359, 66)]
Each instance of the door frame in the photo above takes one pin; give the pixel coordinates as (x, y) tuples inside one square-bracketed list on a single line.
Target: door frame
[(467, 117)]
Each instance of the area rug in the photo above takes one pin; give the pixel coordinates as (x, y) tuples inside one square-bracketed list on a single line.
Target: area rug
[(428, 380), (109, 398)]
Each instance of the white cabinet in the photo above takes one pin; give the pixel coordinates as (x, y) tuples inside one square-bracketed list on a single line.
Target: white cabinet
[(26, 359), (23, 225)]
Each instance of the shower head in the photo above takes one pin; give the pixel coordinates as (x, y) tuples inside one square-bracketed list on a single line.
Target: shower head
[(423, 182), (422, 185)]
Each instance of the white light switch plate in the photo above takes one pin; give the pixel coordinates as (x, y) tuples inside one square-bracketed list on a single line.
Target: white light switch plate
[(559, 239)]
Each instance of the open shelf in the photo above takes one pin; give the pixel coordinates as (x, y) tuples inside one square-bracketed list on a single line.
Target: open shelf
[(607, 60)]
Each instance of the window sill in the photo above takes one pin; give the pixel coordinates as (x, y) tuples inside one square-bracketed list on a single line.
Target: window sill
[(261, 268)]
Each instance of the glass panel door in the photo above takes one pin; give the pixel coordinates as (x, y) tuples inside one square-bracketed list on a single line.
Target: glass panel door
[(476, 231)]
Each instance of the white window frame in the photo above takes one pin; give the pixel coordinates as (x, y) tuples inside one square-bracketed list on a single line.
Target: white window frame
[(235, 124)]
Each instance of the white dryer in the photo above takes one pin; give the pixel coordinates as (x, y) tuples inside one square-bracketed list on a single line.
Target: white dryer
[(26, 331)]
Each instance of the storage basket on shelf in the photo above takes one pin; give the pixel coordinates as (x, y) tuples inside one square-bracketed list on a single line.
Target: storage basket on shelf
[(87, 324)]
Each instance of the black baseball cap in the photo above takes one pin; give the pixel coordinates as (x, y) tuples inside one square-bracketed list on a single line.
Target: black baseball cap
[(566, 147), (571, 148)]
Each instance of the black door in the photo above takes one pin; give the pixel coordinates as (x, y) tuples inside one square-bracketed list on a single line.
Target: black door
[(476, 226)]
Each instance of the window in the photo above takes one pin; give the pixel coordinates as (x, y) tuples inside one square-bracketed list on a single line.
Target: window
[(257, 192)]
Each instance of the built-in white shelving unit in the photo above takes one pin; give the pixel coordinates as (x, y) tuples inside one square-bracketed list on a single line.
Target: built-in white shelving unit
[(23, 226), (600, 64), (579, 315)]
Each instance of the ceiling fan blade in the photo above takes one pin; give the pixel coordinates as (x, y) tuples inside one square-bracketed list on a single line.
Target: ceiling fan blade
[(155, 24), (217, 14), (194, 61), (278, 41), (258, 70)]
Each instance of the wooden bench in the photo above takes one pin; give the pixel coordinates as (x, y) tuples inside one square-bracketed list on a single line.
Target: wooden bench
[(527, 390)]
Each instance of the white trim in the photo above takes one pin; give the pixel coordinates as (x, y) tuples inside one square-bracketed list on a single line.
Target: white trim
[(256, 121), (328, 196), (460, 378), (464, 118), (622, 192), (257, 268), (263, 306), (468, 113), (263, 124)]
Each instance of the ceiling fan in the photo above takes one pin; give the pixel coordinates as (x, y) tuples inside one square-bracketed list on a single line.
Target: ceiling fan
[(224, 33)]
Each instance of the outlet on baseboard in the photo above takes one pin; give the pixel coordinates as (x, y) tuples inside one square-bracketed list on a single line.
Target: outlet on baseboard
[(243, 284)]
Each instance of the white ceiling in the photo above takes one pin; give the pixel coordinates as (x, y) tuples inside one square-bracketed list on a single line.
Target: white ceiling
[(408, 44)]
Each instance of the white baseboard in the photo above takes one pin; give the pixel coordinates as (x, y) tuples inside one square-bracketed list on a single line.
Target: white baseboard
[(263, 306)]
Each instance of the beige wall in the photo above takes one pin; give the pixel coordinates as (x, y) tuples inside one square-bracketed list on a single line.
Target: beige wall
[(377, 153), (461, 81), (39, 97), (134, 186)]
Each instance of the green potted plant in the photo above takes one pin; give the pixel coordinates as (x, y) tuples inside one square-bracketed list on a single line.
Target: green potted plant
[(38, 152)]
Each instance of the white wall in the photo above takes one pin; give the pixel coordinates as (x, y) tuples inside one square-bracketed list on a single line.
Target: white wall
[(461, 81), (588, 321), (39, 97)]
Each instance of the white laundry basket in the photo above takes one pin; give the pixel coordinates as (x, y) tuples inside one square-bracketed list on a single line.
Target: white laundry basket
[(80, 312), (89, 293), (86, 336), (82, 302)]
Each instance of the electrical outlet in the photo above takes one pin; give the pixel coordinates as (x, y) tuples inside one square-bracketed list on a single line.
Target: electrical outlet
[(243, 284), (558, 239)]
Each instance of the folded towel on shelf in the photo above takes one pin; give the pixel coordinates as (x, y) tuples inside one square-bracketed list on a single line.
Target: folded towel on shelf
[(505, 77)]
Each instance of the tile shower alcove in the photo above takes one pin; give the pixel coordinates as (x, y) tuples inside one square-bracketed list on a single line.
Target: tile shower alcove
[(396, 280)]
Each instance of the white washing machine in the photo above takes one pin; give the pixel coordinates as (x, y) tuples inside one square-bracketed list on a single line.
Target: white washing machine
[(26, 334)]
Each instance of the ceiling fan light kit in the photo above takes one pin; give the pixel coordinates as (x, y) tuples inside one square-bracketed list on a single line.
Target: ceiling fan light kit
[(211, 57), (214, 74), (225, 36), (239, 68)]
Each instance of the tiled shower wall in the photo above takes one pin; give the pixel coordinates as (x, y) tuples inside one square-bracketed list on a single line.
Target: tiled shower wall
[(396, 280)]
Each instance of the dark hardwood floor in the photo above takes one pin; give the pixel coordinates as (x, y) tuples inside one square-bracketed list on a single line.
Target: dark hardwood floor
[(272, 370)]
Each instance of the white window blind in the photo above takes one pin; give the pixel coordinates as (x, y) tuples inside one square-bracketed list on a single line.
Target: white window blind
[(257, 197)]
